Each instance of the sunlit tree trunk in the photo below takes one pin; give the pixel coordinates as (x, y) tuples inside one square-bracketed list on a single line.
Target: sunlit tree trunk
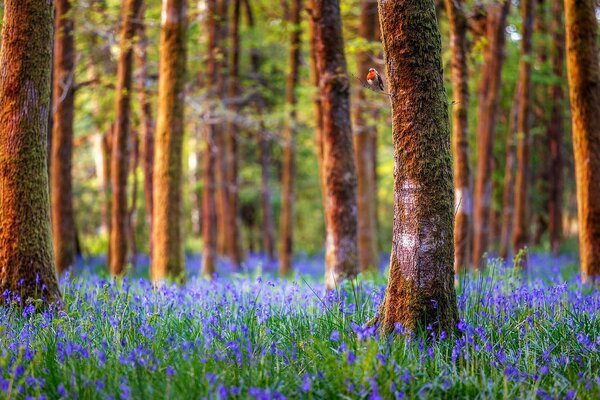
[(489, 90), (167, 244), (132, 211), (120, 153), (26, 255), (61, 181), (288, 193), (584, 92), (420, 287), (341, 258)]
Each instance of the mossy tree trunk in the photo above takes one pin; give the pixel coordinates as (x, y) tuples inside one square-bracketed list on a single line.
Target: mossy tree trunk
[(584, 91), (341, 258), (420, 288), (61, 180), (288, 193), (130, 17), (26, 254), (167, 245), (364, 148), (489, 90)]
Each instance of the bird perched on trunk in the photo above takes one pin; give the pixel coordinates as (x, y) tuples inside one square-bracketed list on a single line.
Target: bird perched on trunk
[(374, 79)]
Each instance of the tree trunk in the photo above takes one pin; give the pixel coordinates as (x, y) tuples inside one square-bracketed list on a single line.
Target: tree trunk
[(489, 90), (584, 91), (339, 175), (555, 130), (167, 245), (288, 194), (26, 255), (420, 289), (131, 213), (120, 151), (364, 147), (521, 224), (460, 134), (63, 216)]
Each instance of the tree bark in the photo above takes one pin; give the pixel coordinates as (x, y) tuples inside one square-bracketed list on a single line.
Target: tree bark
[(167, 245), (26, 255), (364, 149), (132, 211), (420, 289), (288, 194), (584, 92), (120, 151), (521, 224), (341, 258), (489, 90), (61, 180), (460, 137)]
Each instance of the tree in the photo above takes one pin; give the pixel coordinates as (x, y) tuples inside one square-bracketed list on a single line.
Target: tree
[(489, 88), (420, 287), (26, 256), (584, 92), (364, 149), (521, 223), (63, 216), (167, 246), (460, 133), (337, 153), (131, 15), (289, 151)]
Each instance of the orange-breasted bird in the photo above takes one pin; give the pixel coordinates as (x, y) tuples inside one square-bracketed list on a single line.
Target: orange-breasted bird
[(374, 79)]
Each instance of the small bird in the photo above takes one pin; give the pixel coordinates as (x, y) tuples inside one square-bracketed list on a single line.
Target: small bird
[(374, 79)]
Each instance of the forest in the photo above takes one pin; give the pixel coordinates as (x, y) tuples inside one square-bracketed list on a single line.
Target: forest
[(320, 199)]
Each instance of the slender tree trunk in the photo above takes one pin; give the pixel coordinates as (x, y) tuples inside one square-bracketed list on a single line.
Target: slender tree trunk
[(106, 189), (120, 152), (131, 213), (521, 224), (584, 91), (555, 130), (167, 245), (63, 216), (26, 255), (288, 194), (420, 288), (341, 258), (460, 134), (489, 90), (364, 149)]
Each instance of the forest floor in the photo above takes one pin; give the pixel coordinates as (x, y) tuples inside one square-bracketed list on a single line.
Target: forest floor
[(253, 335)]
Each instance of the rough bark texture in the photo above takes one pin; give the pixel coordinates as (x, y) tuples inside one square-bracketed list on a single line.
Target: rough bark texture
[(489, 89), (26, 255), (421, 280), (364, 149), (555, 130), (288, 194), (63, 216), (341, 258), (522, 223), (584, 92), (460, 134), (120, 152), (167, 245)]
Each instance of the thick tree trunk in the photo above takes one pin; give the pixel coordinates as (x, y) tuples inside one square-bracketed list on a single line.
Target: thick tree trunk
[(460, 134), (26, 255), (555, 130), (120, 152), (167, 245), (420, 288), (288, 194), (63, 216), (489, 90), (522, 223), (584, 91), (364, 149), (341, 258)]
